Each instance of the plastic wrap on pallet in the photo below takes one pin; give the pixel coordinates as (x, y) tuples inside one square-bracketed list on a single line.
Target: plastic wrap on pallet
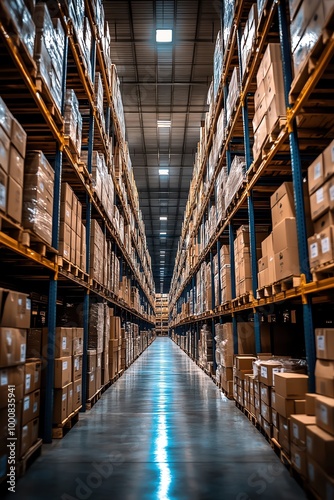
[(23, 22), (235, 179), (96, 327), (117, 100), (99, 96), (76, 10), (233, 94), (38, 195), (217, 64), (260, 7), (73, 119), (305, 44), (87, 45), (228, 20)]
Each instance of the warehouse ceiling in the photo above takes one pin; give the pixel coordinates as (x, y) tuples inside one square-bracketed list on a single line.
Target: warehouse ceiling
[(167, 82)]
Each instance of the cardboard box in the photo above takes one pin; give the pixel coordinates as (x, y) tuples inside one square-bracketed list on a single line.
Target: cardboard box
[(324, 377), (324, 412), (298, 426), (323, 222), (325, 343), (298, 459), (13, 375), (77, 341), (319, 481), (60, 406), (271, 56), (77, 391), (315, 174), (30, 407), (18, 137), (91, 385), (62, 372), (244, 362), (282, 203), (77, 367), (310, 400), (291, 385), (300, 406), (70, 398), (285, 407), (268, 370), (284, 433), (274, 417), (287, 263), (28, 436), (91, 360), (328, 160), (12, 346), (266, 412), (3, 190), (276, 109), (65, 213), (4, 150), (32, 376), (15, 309), (320, 446), (63, 341), (285, 235), (319, 202), (67, 194), (16, 166), (14, 200), (265, 395)]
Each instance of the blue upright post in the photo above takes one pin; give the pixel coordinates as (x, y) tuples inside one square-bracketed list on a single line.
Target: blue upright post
[(297, 179), (48, 414)]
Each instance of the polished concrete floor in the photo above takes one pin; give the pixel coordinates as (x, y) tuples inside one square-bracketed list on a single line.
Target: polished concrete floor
[(163, 431)]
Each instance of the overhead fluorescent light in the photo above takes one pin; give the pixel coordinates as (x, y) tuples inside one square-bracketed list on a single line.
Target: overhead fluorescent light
[(164, 123), (163, 171), (163, 233), (163, 217), (164, 36)]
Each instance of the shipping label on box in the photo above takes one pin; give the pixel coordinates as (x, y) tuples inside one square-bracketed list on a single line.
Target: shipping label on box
[(315, 174), (325, 343)]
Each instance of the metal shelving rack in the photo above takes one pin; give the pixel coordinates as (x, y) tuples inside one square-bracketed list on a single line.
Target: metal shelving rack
[(161, 314), (291, 147), (23, 262)]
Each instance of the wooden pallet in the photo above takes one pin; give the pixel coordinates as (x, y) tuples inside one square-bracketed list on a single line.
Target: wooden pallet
[(43, 88), (29, 457), (69, 268), (286, 284), (282, 455), (59, 430), (244, 299), (265, 291), (323, 271), (94, 399), (227, 394), (325, 41), (273, 136)]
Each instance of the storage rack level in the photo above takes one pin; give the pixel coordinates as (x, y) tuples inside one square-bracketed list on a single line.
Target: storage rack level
[(161, 312)]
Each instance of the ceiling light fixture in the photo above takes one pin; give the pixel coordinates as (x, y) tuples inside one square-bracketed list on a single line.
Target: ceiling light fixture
[(162, 233), (163, 171), (162, 217), (164, 123), (164, 36)]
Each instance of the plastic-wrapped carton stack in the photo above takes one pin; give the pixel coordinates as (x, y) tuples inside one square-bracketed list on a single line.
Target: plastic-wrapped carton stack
[(234, 179), (217, 64), (233, 94), (23, 22), (73, 120), (248, 37)]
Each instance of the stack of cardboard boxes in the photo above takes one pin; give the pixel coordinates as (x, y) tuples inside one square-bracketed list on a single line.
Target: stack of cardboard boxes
[(12, 153), (19, 385), (233, 94), (280, 257), (115, 346), (269, 100), (321, 190), (205, 348), (72, 232), (320, 437), (243, 365), (73, 121), (248, 38), (224, 356)]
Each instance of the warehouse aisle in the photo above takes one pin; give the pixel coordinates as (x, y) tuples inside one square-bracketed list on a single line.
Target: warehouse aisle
[(162, 432)]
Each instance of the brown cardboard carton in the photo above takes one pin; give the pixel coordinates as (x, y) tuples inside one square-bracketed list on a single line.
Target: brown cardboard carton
[(16, 166), (319, 202), (300, 405), (60, 406), (275, 433), (77, 389), (115, 327), (77, 341), (285, 235), (76, 367), (266, 412), (265, 395), (18, 137), (63, 341), (65, 213), (324, 377), (286, 263), (14, 200), (282, 203), (274, 417), (298, 459), (15, 309), (98, 378), (284, 406), (12, 346), (66, 194), (91, 360), (4, 150), (276, 108), (32, 376), (291, 385), (30, 407), (91, 385), (328, 160), (284, 433), (320, 446), (318, 480), (325, 343), (62, 372), (28, 436), (315, 174), (298, 426), (323, 222), (271, 56), (314, 250), (268, 370), (310, 400), (13, 375), (3, 190), (244, 362), (70, 397), (324, 412)]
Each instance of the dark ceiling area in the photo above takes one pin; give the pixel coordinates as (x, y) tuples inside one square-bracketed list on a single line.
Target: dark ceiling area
[(166, 81)]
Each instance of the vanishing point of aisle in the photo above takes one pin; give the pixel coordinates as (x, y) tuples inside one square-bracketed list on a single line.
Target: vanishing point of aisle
[(163, 431)]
